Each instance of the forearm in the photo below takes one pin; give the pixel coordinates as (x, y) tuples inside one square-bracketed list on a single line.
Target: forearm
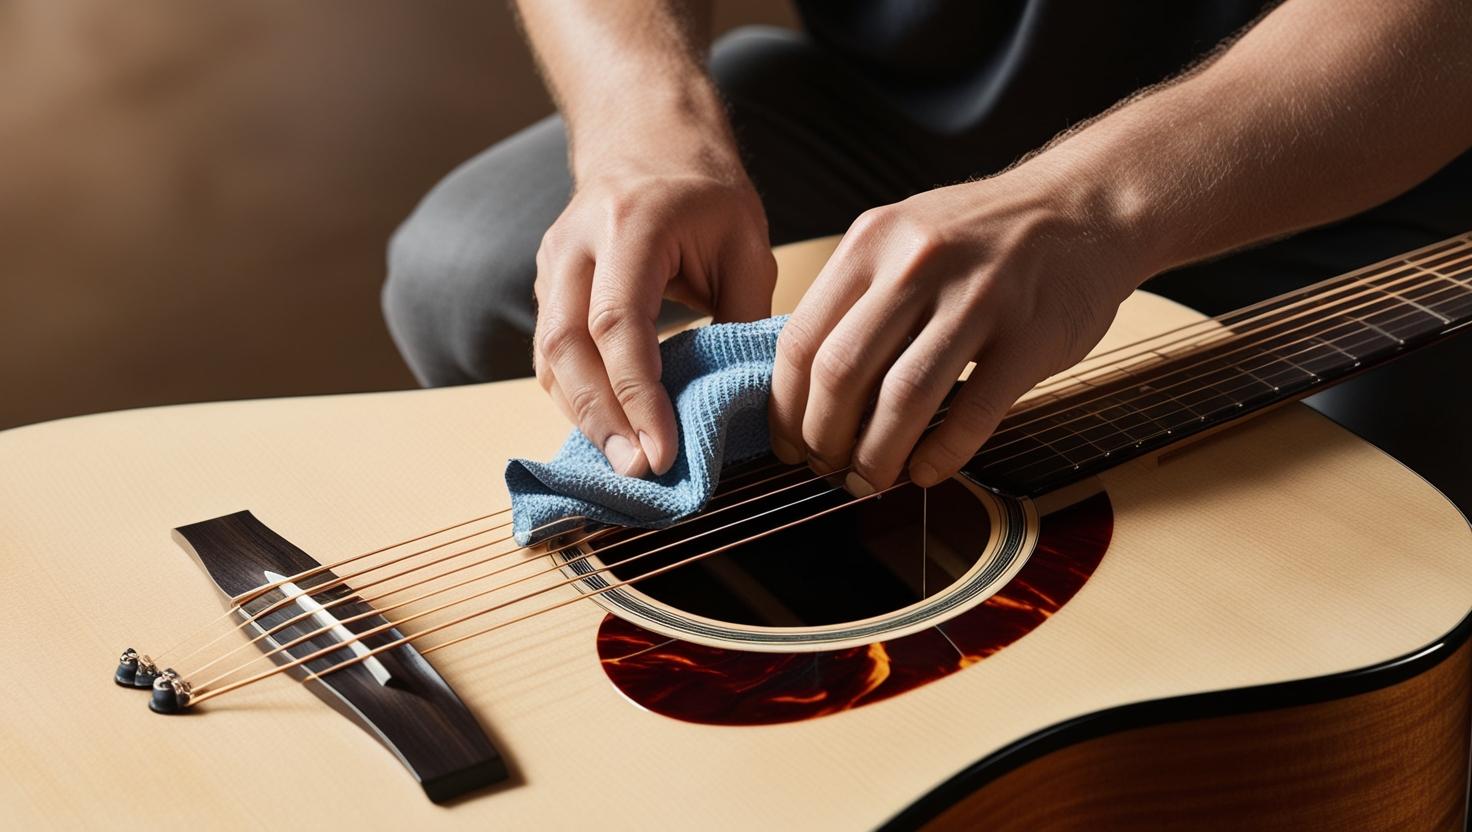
[(1324, 109), (625, 74)]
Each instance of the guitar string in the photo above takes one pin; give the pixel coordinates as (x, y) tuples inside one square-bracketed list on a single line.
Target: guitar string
[(238, 605), (1390, 298), (339, 581), (1128, 438), (356, 591), (205, 687), (1244, 345), (1363, 275), (1220, 322), (205, 693), (246, 597), (556, 565), (354, 594), (250, 618), (1311, 294), (1461, 311)]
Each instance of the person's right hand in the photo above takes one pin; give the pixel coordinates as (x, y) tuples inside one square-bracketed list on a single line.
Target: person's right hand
[(634, 233)]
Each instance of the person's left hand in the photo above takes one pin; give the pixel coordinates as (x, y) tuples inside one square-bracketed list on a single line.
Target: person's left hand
[(1021, 273)]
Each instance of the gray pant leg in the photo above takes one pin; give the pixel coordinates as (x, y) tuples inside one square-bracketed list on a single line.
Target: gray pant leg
[(459, 297)]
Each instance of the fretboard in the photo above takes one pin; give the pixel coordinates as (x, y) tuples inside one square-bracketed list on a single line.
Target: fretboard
[(1137, 401)]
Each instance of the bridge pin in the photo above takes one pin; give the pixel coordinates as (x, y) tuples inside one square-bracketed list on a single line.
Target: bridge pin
[(127, 668), (147, 672), (170, 693)]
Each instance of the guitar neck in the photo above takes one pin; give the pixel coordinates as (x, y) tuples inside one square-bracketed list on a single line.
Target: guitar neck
[(1138, 401)]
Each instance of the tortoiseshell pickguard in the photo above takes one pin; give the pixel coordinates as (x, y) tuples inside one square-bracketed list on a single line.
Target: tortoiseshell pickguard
[(717, 686)]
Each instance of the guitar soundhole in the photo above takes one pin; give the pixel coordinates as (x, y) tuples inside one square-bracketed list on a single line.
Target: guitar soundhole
[(858, 562), (716, 685)]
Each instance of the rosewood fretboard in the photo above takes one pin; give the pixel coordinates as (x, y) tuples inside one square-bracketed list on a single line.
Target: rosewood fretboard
[(1136, 401)]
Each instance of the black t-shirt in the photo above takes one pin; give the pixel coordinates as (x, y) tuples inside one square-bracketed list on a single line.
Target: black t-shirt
[(958, 63)]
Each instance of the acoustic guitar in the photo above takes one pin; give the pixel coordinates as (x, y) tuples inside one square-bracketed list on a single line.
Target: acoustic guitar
[(1161, 596)]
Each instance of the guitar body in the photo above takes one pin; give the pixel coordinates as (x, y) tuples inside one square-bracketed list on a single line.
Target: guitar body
[(1269, 631)]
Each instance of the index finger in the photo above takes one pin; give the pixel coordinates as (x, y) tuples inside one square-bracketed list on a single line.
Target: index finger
[(622, 310)]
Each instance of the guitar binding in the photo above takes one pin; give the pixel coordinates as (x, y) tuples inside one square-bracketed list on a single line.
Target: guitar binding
[(397, 696)]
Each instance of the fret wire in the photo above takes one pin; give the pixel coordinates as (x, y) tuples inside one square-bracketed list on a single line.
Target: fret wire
[(1275, 388), (1467, 311), (1432, 312), (1331, 345), (1437, 259), (1450, 278), (1129, 418), (1109, 425), (1467, 270), (1394, 313), (1423, 293), (1065, 457), (1395, 338), (1213, 386), (1131, 406), (1080, 434)]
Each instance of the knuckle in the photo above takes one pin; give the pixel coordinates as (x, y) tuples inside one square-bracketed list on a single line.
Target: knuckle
[(907, 387), (871, 222), (633, 393), (923, 243), (796, 342), (607, 320), (541, 290), (926, 244), (555, 339), (834, 366), (620, 210), (584, 403), (553, 240), (869, 466)]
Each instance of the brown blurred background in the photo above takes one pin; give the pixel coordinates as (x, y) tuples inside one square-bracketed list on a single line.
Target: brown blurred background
[(195, 197)]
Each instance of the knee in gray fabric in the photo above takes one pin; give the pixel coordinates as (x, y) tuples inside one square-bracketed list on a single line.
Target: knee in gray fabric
[(459, 295), (457, 301)]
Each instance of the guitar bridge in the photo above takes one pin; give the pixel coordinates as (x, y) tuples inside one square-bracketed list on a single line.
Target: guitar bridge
[(396, 695)]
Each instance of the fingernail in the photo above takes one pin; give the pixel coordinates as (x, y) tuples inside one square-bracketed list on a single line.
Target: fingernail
[(821, 467), (621, 453), (785, 452), (857, 485), (647, 443), (922, 474)]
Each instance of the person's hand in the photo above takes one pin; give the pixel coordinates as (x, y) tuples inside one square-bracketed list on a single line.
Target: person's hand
[(1021, 273), (635, 233)]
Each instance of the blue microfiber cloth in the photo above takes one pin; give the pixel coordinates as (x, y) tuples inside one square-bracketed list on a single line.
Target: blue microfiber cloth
[(719, 378)]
